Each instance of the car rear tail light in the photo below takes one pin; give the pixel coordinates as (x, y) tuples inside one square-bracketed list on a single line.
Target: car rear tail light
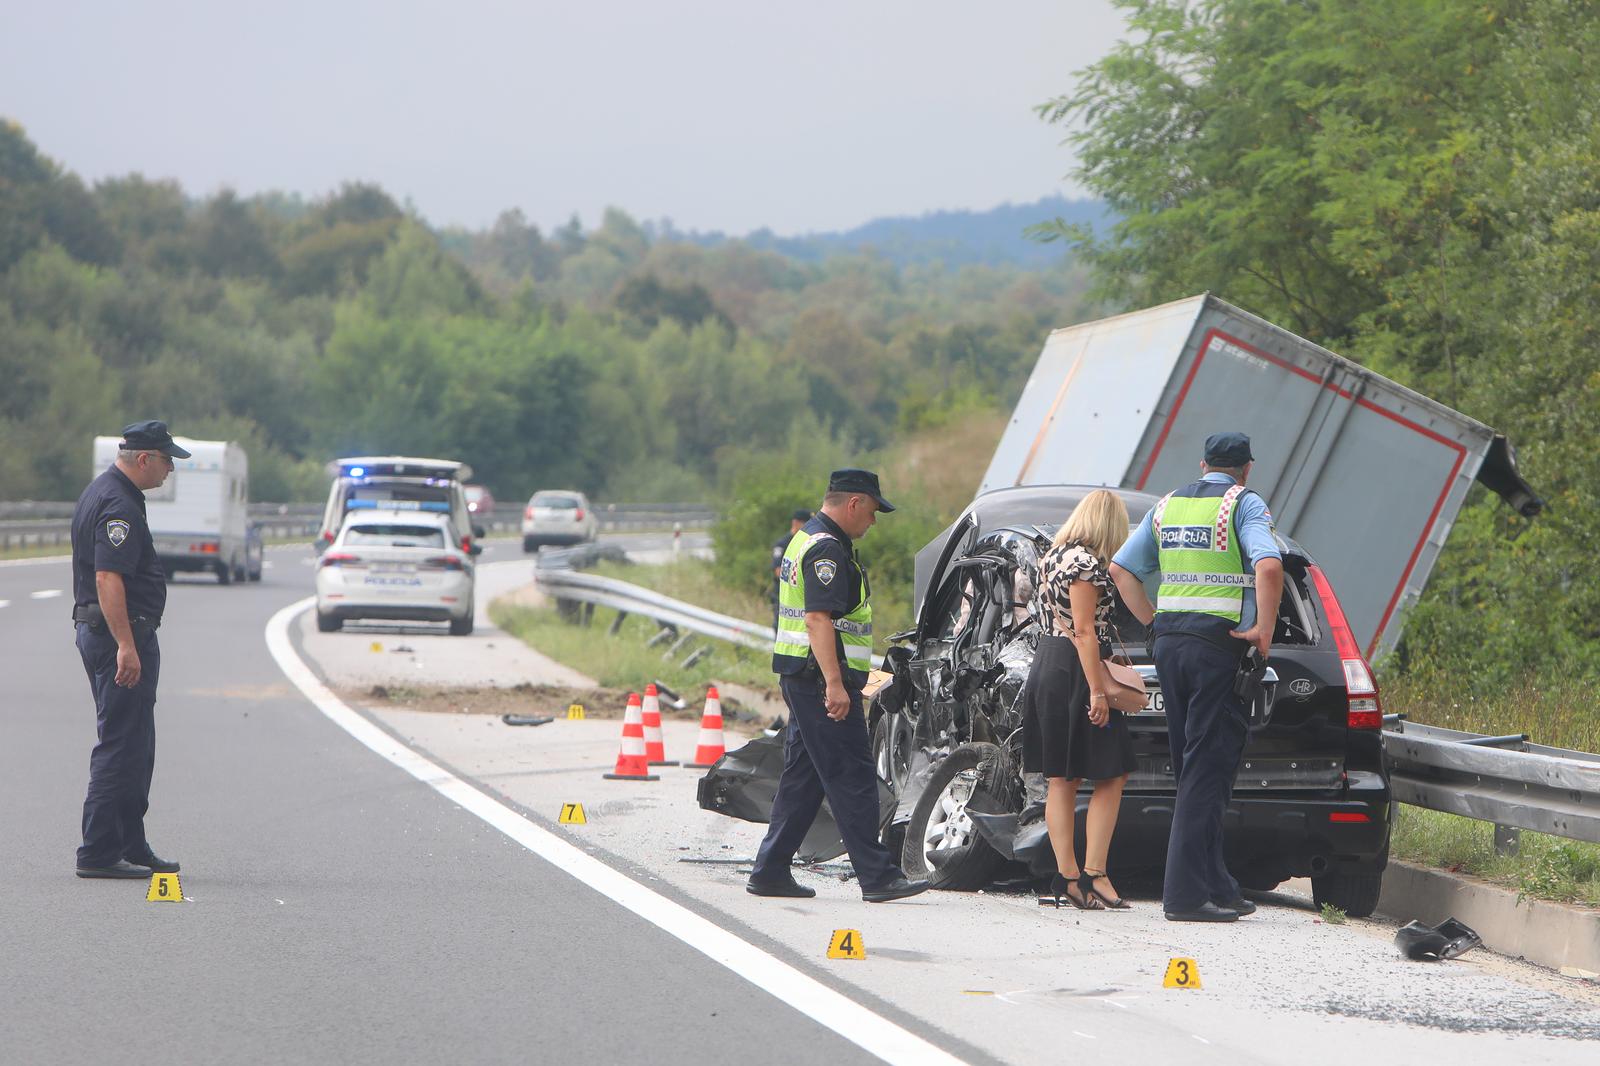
[(1365, 711), (527, 512), (466, 544), (1348, 816), (327, 535), (342, 559), (209, 547), (443, 562), (579, 515)]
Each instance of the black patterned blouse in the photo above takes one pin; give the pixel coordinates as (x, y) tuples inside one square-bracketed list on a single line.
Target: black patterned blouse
[(1059, 568)]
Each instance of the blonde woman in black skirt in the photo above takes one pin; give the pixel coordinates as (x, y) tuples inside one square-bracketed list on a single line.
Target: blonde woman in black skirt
[(1070, 733)]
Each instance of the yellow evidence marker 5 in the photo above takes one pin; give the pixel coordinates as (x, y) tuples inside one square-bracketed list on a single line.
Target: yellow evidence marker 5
[(164, 888), (846, 944), (572, 814), (1181, 973), (576, 713)]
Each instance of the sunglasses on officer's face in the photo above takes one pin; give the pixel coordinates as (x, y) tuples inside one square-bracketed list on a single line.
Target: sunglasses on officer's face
[(163, 456)]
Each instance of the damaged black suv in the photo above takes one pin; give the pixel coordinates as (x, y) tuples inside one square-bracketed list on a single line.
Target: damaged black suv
[(1312, 796)]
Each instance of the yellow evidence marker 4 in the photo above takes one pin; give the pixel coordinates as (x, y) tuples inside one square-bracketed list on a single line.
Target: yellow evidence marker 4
[(1181, 973), (846, 944), (572, 814), (164, 888), (576, 713)]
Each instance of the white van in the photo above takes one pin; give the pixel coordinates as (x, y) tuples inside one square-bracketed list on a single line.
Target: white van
[(199, 516), (399, 483)]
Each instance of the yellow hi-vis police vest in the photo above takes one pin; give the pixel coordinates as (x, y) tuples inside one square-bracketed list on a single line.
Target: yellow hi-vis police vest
[(1202, 569), (855, 628)]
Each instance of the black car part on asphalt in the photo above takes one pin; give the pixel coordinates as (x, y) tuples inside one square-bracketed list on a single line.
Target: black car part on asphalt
[(1312, 797), (743, 782)]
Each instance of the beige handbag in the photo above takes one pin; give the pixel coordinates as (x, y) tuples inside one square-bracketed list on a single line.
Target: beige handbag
[(1125, 688)]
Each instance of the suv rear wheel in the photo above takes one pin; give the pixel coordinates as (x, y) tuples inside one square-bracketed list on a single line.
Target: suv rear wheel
[(941, 842), (1354, 893), (461, 627), (329, 623)]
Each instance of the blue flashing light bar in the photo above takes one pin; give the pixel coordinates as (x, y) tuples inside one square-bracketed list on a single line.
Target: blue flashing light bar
[(436, 506)]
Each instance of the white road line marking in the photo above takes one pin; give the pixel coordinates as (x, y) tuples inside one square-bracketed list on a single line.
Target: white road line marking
[(44, 594), (5, 603), (834, 1010), (1086, 1036), (37, 560), (267, 565), (1200, 1038)]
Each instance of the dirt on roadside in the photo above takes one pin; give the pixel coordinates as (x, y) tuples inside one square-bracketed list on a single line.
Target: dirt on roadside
[(529, 699)]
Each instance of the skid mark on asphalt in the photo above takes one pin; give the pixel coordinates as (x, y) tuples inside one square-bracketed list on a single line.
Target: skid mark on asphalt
[(834, 1010)]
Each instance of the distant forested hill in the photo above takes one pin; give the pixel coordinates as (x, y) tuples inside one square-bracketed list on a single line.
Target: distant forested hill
[(954, 238)]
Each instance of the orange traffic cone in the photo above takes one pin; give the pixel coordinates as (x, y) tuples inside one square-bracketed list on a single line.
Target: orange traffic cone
[(630, 759), (655, 751), (711, 744)]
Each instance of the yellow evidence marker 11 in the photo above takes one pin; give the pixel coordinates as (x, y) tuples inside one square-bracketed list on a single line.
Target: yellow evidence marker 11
[(846, 944), (164, 888), (572, 814), (1182, 973), (576, 713)]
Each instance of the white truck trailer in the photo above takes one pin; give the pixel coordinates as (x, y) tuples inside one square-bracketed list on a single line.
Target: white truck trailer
[(1363, 472), (199, 518)]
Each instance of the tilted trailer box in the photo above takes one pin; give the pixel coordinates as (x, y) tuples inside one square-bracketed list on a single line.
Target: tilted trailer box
[(1366, 474)]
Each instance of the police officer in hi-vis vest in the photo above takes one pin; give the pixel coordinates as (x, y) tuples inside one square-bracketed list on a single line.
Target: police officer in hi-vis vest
[(822, 653), (1221, 576)]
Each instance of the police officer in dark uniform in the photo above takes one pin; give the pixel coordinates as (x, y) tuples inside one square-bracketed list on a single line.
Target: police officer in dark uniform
[(779, 546), (822, 654), (1221, 578), (119, 591)]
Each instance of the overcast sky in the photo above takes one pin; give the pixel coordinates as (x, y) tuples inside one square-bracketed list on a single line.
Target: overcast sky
[(718, 114)]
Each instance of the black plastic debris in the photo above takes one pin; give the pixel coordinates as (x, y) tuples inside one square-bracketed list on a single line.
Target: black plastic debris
[(1435, 943), (525, 719), (743, 783)]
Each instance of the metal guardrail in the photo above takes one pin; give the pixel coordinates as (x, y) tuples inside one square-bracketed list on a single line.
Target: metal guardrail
[(31, 524), (1504, 780), (567, 584)]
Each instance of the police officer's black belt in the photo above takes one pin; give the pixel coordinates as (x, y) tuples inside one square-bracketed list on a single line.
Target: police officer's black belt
[(90, 614)]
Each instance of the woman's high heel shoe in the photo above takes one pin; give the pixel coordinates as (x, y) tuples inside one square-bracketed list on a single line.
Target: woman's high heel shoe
[(1061, 889), (1086, 886)]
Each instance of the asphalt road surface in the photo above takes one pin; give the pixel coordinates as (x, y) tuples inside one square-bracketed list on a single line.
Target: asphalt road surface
[(339, 910), (349, 900)]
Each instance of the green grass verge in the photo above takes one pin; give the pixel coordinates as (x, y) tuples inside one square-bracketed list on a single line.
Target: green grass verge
[(1558, 712), (623, 661), (1544, 867)]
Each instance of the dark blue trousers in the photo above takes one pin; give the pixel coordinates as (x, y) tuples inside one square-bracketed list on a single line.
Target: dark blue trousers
[(124, 759), (824, 758), (1206, 730)]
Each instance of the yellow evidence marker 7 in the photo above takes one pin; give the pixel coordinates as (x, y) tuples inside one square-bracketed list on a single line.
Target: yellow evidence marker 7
[(1181, 973), (576, 713), (846, 944), (164, 888), (572, 814)]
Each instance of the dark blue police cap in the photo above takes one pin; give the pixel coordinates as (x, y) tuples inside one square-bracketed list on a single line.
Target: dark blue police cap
[(152, 436), (862, 481), (801, 515), (1228, 449)]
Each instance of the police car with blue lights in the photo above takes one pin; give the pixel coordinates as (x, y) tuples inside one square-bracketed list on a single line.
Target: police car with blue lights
[(400, 483)]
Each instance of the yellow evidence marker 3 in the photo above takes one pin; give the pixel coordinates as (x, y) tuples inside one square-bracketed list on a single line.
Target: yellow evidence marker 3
[(572, 814), (164, 888), (1181, 973), (846, 944), (576, 713)]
